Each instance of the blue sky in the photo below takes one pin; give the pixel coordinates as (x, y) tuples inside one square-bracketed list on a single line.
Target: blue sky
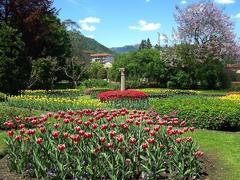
[(117, 23)]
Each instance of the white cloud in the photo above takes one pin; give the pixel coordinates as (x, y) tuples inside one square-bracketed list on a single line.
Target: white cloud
[(145, 26), (147, 0), (237, 15), (90, 36), (90, 20), (183, 2), (225, 1), (86, 24)]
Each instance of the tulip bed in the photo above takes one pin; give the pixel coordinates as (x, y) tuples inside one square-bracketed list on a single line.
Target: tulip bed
[(101, 144), (132, 99), (57, 93), (233, 96), (52, 104)]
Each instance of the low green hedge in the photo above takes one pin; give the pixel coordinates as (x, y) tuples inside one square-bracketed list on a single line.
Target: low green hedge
[(10, 113), (94, 91), (202, 112)]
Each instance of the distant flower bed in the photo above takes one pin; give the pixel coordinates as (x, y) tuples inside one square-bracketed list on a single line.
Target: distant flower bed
[(232, 96), (118, 94), (131, 99)]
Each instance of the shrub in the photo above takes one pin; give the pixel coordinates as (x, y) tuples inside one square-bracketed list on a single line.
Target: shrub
[(202, 112), (102, 144), (12, 113), (94, 91), (95, 83), (2, 97)]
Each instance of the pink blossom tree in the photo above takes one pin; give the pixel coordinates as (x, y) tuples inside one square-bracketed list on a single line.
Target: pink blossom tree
[(208, 27)]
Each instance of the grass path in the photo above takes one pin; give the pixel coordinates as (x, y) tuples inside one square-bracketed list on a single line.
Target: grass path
[(223, 151)]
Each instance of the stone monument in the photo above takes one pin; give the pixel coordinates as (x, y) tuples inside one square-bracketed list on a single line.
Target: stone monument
[(123, 80)]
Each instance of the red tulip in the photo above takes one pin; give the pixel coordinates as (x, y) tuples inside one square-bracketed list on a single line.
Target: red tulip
[(22, 131), (191, 129), (39, 140), (81, 132), (132, 140), (94, 126), (145, 146), (77, 128), (152, 133), (151, 141), (178, 140), (138, 123), (147, 129), (43, 130), (120, 138), (110, 145), (112, 133), (183, 123), (104, 126), (65, 135), (189, 139), (113, 125), (21, 126), (18, 138), (87, 123), (102, 139), (61, 147), (55, 134), (66, 121)]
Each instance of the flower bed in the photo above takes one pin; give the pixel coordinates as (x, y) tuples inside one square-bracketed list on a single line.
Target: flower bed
[(132, 99), (232, 96), (88, 144), (52, 104)]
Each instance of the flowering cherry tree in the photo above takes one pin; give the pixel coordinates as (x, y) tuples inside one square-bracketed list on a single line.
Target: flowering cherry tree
[(208, 27)]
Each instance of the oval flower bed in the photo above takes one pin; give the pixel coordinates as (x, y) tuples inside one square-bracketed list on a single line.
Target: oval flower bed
[(129, 99), (101, 144)]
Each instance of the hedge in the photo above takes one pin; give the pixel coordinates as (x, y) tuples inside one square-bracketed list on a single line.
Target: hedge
[(202, 112)]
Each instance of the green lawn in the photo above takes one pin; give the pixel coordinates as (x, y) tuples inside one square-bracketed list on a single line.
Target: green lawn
[(223, 151)]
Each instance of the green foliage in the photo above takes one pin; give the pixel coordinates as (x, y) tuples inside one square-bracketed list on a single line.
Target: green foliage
[(94, 91), (202, 112), (14, 69), (44, 73), (3, 97), (95, 83), (97, 71), (142, 64)]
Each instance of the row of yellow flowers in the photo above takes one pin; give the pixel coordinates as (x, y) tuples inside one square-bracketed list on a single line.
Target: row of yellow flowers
[(232, 96), (52, 104)]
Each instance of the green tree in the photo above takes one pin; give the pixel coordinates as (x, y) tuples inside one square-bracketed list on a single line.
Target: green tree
[(93, 70), (143, 45), (44, 73), (13, 67), (148, 45)]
